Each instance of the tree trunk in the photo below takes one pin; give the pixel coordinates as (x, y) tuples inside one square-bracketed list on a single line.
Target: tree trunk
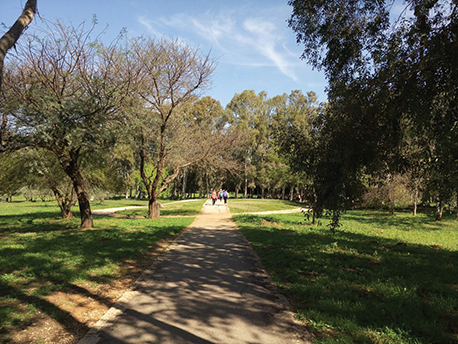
[(10, 38), (154, 211), (456, 216), (245, 187), (137, 191), (65, 201), (315, 200), (439, 208), (415, 202), (83, 202), (70, 165), (184, 184), (66, 211)]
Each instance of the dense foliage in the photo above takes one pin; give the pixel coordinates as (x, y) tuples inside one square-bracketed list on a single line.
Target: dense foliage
[(393, 86)]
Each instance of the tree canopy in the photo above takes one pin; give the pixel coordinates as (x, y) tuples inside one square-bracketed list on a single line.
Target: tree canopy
[(392, 78)]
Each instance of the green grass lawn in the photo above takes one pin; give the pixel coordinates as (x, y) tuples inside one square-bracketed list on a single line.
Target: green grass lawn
[(41, 254), (171, 208), (380, 279), (238, 206)]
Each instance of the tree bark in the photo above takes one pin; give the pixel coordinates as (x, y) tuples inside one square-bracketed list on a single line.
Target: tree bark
[(10, 38), (6, 43), (70, 165), (184, 183), (315, 201), (245, 187), (154, 211), (439, 209), (65, 201)]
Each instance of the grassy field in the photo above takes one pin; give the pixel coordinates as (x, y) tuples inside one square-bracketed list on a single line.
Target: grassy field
[(41, 255), (380, 279), (238, 206), (170, 208)]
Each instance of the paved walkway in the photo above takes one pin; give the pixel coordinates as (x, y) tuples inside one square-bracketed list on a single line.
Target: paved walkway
[(208, 287)]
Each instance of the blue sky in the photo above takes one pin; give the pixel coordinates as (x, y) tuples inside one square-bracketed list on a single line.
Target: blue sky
[(251, 40)]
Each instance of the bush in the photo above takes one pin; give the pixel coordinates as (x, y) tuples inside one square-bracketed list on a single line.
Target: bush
[(391, 193)]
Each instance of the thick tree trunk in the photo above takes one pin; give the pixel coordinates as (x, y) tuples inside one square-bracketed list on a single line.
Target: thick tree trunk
[(83, 201), (66, 212), (70, 165), (154, 211)]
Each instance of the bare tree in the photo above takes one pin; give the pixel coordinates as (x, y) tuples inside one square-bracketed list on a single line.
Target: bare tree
[(172, 75), (64, 94)]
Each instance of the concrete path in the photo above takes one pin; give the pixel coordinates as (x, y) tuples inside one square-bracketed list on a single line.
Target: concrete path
[(208, 287)]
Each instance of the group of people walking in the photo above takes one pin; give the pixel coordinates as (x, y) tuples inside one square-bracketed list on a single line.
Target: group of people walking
[(219, 195)]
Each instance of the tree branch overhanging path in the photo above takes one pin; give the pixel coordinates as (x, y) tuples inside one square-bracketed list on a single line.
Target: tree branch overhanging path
[(8, 40)]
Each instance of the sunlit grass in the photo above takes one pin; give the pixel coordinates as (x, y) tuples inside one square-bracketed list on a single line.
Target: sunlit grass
[(380, 279), (254, 205), (41, 254)]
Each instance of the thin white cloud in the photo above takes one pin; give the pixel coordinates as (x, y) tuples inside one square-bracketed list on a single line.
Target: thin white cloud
[(149, 26), (242, 41), (267, 42)]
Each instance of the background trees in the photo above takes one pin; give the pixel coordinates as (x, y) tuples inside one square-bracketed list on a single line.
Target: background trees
[(388, 78), (129, 112)]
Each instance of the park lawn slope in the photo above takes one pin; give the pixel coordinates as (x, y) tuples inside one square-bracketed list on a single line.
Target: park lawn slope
[(379, 279), (250, 205), (55, 276)]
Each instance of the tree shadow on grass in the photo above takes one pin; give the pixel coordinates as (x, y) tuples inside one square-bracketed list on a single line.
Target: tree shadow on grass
[(36, 222), (65, 318), (423, 221), (364, 287), (62, 258)]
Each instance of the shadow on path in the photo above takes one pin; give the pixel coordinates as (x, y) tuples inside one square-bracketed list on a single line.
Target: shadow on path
[(208, 287)]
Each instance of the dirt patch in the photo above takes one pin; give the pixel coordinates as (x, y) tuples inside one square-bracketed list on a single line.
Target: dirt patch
[(77, 309), (267, 223)]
